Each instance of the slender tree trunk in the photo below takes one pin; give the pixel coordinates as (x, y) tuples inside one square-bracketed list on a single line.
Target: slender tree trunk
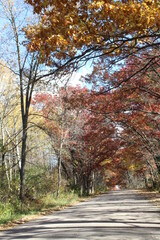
[(157, 162), (84, 186), (92, 183), (75, 179), (3, 156), (27, 81), (81, 189), (59, 177), (18, 160), (23, 161), (146, 181), (59, 169), (6, 169), (129, 180), (10, 178), (153, 177), (60, 160), (3, 171)]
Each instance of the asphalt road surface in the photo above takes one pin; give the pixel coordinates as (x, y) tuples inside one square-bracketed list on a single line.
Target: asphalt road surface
[(119, 215)]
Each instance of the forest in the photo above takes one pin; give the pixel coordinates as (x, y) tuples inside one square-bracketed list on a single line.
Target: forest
[(59, 139)]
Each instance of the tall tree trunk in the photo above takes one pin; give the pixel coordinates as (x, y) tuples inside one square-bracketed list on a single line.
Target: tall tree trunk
[(2, 150), (92, 190), (23, 161), (129, 180), (27, 70), (18, 160), (146, 181), (3, 171), (59, 177), (60, 160), (10, 177), (81, 190), (157, 162)]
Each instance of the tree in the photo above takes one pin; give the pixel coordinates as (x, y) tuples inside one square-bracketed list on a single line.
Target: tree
[(27, 69), (55, 123), (9, 130), (133, 106), (85, 143), (92, 140), (77, 31)]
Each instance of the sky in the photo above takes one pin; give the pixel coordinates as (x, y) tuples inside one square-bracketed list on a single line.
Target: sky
[(7, 40), (76, 77)]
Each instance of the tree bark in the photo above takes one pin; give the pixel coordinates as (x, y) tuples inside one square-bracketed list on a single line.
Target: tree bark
[(59, 177), (23, 161), (3, 171)]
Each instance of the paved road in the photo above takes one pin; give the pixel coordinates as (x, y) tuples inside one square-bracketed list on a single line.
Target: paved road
[(120, 215)]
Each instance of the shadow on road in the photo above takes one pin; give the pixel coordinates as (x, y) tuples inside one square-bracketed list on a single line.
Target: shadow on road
[(120, 215)]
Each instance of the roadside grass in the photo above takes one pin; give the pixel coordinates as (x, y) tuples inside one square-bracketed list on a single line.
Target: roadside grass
[(14, 213), (65, 199), (7, 213)]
